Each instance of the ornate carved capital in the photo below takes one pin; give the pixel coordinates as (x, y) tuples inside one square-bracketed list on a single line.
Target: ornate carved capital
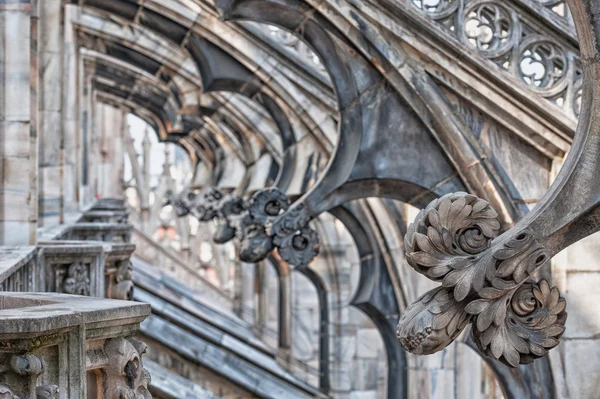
[(484, 281)]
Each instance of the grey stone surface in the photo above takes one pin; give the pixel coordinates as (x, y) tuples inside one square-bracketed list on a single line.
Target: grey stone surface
[(331, 102)]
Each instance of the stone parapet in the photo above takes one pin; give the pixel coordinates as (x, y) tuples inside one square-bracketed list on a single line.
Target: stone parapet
[(56, 345)]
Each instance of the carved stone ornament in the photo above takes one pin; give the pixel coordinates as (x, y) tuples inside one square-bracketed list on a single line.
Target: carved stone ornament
[(47, 392), (181, 203), (26, 365), (485, 282), (206, 205), (7, 393), (232, 206), (123, 285), (77, 280), (265, 206), (28, 368), (270, 223), (126, 377), (297, 243)]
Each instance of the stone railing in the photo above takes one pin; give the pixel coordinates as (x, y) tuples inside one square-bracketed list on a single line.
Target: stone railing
[(54, 345), (173, 266), (18, 269), (94, 216), (532, 46), (110, 204), (92, 259), (107, 232), (72, 267)]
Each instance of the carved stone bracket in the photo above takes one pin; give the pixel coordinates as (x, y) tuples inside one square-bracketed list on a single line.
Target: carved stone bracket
[(205, 207), (181, 203), (270, 223), (126, 376), (484, 281), (19, 375), (209, 205), (230, 207), (122, 287)]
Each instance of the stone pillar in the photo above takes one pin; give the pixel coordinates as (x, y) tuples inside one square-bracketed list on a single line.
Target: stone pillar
[(285, 307), (50, 113), (166, 183), (18, 122), (261, 288), (86, 148), (110, 151), (70, 114), (145, 183)]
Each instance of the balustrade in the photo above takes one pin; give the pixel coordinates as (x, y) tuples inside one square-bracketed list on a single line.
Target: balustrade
[(64, 346)]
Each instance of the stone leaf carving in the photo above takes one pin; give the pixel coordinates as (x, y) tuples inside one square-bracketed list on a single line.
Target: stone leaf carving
[(297, 243), (270, 223), (28, 368), (432, 322), (77, 280), (298, 248), (265, 206), (523, 331), (26, 365), (485, 281)]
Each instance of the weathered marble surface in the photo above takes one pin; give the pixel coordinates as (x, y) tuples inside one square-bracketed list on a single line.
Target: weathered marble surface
[(61, 337)]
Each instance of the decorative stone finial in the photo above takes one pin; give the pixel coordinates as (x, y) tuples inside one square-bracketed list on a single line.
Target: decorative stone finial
[(484, 281)]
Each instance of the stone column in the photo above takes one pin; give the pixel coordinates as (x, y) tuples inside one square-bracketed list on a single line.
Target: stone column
[(285, 307), (262, 305), (145, 183), (18, 122), (51, 157), (166, 183), (71, 109), (110, 146), (85, 150)]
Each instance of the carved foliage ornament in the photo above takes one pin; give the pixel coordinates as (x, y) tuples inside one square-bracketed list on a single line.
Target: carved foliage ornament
[(77, 280), (271, 223), (485, 282)]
